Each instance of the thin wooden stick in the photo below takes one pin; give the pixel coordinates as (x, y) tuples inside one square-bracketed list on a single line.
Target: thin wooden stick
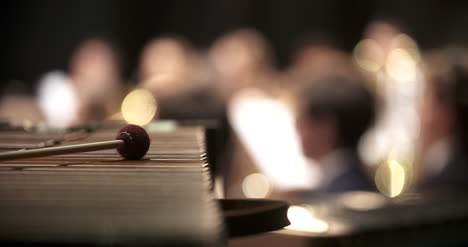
[(41, 152)]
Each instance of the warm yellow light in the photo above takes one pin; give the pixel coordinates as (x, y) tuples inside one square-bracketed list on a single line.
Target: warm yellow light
[(139, 107), (302, 219), (400, 65), (406, 42), (363, 200), (398, 177), (256, 185), (390, 178), (368, 55)]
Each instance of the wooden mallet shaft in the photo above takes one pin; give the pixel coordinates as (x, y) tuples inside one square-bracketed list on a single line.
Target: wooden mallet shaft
[(48, 151), (132, 142)]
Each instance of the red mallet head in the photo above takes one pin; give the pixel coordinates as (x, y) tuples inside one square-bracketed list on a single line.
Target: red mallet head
[(136, 141)]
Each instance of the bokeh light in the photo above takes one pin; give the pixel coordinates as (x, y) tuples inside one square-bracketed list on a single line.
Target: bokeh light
[(409, 44), (139, 107), (401, 66), (256, 185), (58, 99), (369, 55), (303, 219), (363, 200), (390, 178)]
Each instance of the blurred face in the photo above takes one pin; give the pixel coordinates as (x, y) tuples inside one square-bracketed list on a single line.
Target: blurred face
[(239, 53), (163, 56), (94, 67), (318, 136), (383, 33)]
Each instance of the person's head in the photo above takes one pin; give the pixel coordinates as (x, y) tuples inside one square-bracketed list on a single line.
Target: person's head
[(164, 55), (334, 112), (240, 52), (170, 65), (317, 60), (95, 66)]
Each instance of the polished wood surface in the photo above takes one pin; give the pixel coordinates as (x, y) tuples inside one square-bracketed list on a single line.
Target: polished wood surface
[(97, 198)]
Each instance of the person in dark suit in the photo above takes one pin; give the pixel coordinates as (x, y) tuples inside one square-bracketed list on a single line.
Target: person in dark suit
[(333, 114), (444, 133)]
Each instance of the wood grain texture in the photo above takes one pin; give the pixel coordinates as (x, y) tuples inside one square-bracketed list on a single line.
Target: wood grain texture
[(97, 198)]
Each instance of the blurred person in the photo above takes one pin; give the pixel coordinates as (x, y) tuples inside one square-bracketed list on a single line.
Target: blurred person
[(95, 72), (315, 57), (265, 140), (179, 78), (333, 113), (165, 55), (241, 59), (443, 122), (264, 137), (390, 58), (169, 65), (18, 106)]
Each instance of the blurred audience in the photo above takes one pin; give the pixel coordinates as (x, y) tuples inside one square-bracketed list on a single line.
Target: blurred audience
[(333, 114), (236, 79)]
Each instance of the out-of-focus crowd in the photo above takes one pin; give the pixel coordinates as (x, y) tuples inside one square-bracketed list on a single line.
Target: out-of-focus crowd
[(386, 117)]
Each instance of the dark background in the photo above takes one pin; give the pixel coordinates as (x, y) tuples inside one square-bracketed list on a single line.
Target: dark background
[(38, 36)]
